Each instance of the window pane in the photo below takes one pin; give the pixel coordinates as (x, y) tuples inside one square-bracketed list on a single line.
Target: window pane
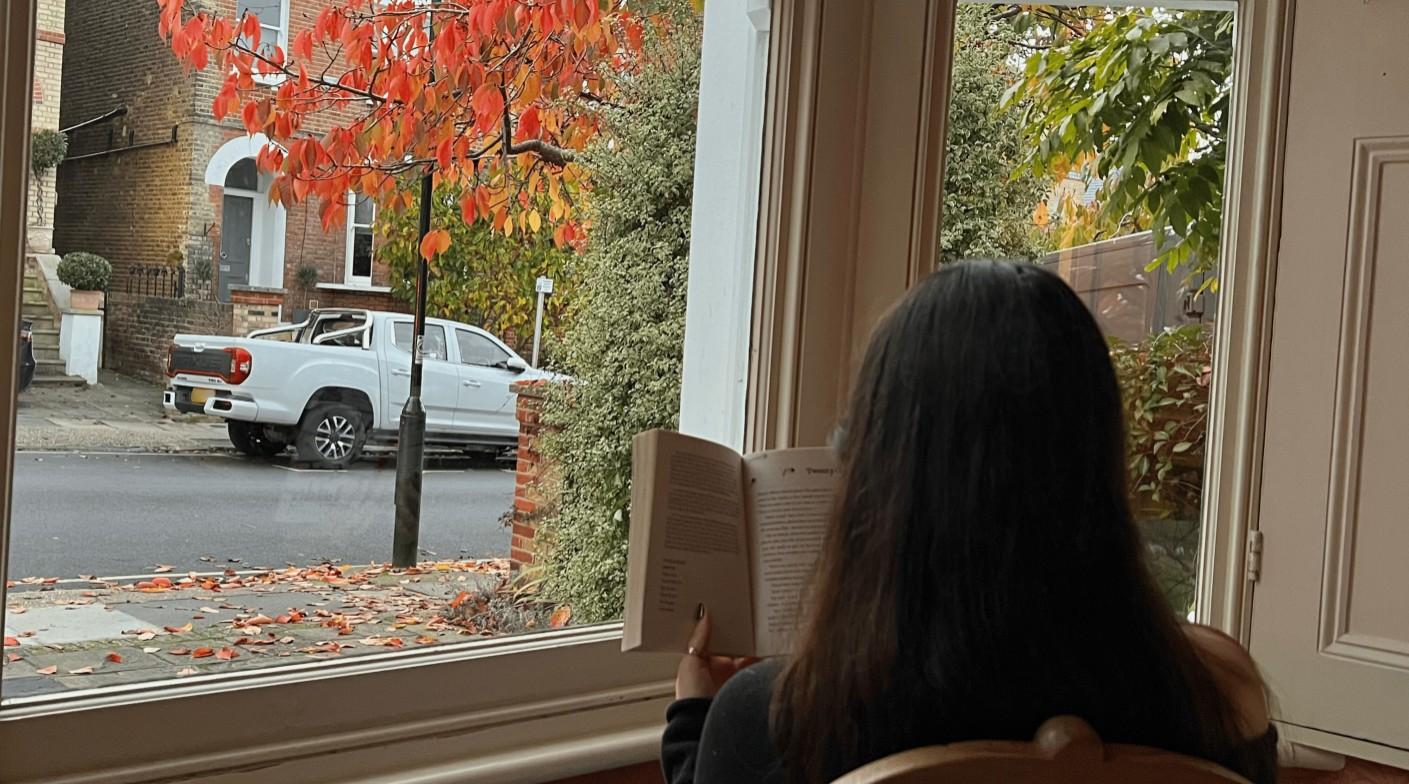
[(364, 209), (478, 350), (244, 175), (435, 339), (362, 253), (236, 494), (1057, 193)]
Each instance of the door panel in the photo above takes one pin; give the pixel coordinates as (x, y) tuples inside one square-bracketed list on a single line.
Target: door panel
[(440, 380), (1330, 620), (486, 404), (236, 226)]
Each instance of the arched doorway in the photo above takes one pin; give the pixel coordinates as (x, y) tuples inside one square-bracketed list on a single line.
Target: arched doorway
[(251, 248)]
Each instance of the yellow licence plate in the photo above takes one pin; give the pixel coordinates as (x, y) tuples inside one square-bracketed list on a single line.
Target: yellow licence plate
[(200, 396)]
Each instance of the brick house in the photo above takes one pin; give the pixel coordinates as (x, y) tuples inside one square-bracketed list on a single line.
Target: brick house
[(172, 198), (47, 88)]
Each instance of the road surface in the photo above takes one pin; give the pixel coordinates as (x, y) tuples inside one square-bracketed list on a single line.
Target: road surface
[(123, 514)]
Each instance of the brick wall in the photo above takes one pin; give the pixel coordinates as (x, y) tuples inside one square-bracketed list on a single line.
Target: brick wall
[(140, 328), (124, 204), (46, 92), (254, 309), (529, 472)]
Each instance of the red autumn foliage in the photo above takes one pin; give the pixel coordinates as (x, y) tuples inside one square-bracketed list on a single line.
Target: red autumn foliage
[(498, 95)]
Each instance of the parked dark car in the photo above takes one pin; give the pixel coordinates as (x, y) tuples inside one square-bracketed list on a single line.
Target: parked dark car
[(26, 354)]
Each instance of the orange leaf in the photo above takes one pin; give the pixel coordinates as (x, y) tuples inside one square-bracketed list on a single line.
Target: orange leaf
[(179, 651), (114, 657), (201, 653), (178, 629), (50, 670), (560, 617), (435, 242), (259, 620), (14, 657), (226, 654), (11, 642), (459, 600), (426, 639), (303, 45)]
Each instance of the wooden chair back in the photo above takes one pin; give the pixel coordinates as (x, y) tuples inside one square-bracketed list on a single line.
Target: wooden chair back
[(1065, 751)]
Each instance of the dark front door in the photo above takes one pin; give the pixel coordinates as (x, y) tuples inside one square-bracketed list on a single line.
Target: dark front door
[(236, 221)]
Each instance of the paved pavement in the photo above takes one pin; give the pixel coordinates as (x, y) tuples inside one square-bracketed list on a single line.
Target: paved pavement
[(118, 413), (120, 514), (67, 636)]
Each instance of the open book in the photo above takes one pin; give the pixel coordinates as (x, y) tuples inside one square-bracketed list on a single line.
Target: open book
[(740, 534)]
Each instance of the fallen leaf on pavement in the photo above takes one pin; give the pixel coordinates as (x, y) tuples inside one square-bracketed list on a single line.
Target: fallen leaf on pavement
[(426, 639), (226, 654), (179, 651), (210, 610), (201, 653), (178, 629), (162, 568), (560, 617), (146, 635), (114, 657), (459, 600), (50, 670), (11, 642), (14, 657), (187, 671), (286, 640), (162, 582), (81, 671), (259, 620), (151, 650), (18, 610)]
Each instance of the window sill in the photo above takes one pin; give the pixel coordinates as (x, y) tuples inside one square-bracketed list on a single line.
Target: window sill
[(368, 289), (532, 708)]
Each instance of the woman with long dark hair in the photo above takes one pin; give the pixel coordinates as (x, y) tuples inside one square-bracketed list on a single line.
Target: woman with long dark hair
[(982, 573)]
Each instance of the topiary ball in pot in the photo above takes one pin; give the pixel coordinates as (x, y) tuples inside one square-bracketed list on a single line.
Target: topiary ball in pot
[(88, 275)]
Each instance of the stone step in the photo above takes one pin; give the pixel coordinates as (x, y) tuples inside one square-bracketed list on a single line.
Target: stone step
[(56, 380), (35, 298), (54, 365), (44, 354)]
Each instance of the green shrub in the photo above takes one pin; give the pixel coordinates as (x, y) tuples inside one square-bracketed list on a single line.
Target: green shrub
[(1164, 384), (85, 271), (627, 324), (307, 276)]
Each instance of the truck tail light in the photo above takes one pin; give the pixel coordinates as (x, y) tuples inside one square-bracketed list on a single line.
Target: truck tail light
[(171, 360), (240, 365)]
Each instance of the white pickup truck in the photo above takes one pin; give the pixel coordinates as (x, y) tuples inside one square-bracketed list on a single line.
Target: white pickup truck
[(328, 385)]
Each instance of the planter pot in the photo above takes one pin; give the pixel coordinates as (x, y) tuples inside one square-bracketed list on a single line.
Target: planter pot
[(85, 300)]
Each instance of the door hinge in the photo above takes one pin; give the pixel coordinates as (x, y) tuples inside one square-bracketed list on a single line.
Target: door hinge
[(1254, 556)]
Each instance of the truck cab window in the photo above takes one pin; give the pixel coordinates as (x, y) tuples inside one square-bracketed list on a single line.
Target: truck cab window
[(435, 339), (479, 350)]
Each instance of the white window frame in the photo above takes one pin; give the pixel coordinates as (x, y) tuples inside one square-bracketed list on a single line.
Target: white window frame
[(834, 191), (280, 32), (350, 279)]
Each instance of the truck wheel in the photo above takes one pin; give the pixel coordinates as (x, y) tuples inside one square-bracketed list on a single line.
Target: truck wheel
[(250, 439), (331, 435)]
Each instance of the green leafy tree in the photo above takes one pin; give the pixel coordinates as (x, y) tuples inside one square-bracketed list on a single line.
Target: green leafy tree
[(1139, 99), (625, 338), (483, 278), (988, 212)]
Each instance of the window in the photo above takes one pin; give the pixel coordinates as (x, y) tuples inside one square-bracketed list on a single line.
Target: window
[(435, 339), (244, 175), (564, 701), (273, 22), (477, 349), (361, 211)]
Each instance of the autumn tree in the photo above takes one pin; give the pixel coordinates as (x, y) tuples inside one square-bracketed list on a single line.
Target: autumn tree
[(498, 97), (483, 278), (1139, 99)]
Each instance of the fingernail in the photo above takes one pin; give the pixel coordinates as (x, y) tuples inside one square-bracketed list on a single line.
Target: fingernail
[(699, 611)]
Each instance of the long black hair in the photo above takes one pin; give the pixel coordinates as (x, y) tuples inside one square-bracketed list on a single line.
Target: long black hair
[(982, 573)]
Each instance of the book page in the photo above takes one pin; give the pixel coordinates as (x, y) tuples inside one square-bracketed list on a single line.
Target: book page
[(790, 496), (687, 545)]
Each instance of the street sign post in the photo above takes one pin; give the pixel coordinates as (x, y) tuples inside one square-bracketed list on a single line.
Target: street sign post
[(544, 287)]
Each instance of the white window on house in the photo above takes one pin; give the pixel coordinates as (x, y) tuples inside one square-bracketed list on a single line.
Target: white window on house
[(361, 211), (273, 18)]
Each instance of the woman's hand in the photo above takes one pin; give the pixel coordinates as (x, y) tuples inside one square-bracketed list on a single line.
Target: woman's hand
[(702, 675)]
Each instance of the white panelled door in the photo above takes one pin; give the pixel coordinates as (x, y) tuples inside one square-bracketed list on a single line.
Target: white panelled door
[(1330, 619)]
